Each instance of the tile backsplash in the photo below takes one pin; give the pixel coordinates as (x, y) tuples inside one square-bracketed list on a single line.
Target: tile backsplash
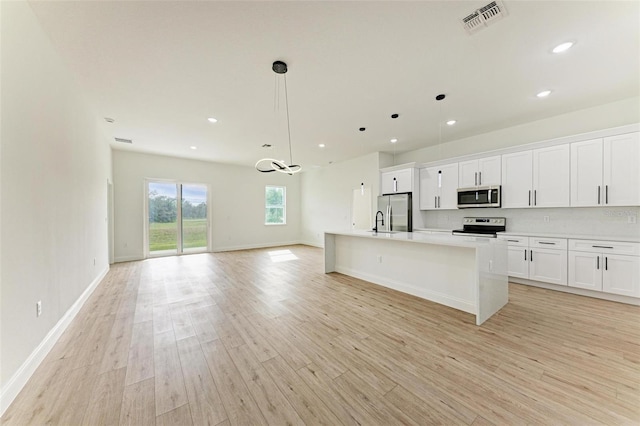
[(596, 221)]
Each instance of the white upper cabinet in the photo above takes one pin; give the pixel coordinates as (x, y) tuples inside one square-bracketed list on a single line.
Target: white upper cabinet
[(397, 181), (621, 170), (482, 172), (606, 172), (438, 187), (517, 179), (586, 173), (536, 178), (551, 185)]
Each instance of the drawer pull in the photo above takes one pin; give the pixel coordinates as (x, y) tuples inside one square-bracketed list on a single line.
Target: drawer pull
[(607, 247), (544, 242), (514, 241)]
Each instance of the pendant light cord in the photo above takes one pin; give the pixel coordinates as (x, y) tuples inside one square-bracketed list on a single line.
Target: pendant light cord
[(286, 102)]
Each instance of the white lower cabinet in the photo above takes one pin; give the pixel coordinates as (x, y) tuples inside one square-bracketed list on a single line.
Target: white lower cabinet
[(539, 259), (548, 265), (621, 275), (584, 270), (518, 262), (607, 266)]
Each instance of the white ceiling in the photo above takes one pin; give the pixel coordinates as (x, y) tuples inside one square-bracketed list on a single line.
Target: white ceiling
[(161, 68)]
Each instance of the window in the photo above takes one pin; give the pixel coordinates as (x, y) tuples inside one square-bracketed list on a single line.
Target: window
[(275, 202)]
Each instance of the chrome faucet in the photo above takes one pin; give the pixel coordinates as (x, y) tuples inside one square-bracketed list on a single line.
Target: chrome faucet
[(375, 228)]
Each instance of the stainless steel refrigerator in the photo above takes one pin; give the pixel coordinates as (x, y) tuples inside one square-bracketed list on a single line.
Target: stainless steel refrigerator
[(396, 213)]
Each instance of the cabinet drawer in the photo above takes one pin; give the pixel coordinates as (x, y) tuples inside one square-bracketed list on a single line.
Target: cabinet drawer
[(548, 243), (601, 246), (515, 241)]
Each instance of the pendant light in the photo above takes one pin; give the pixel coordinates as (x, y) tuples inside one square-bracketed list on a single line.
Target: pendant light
[(440, 98), (268, 165)]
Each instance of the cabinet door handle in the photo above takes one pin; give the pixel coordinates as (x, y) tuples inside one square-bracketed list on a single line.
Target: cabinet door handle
[(435, 202), (479, 178), (598, 262), (544, 242), (529, 197), (439, 203), (525, 254), (606, 194), (535, 201), (606, 263), (395, 185), (607, 247), (598, 194), (531, 255)]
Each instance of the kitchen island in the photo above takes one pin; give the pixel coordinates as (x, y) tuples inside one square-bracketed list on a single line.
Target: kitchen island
[(466, 273)]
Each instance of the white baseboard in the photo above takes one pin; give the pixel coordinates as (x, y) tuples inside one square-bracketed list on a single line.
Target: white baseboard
[(26, 370), (255, 246), (579, 291), (312, 244), (127, 259)]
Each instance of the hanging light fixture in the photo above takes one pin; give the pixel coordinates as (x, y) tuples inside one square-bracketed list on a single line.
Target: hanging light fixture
[(268, 165), (440, 98)]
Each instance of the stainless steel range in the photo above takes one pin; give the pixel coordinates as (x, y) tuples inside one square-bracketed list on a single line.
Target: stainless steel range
[(481, 226)]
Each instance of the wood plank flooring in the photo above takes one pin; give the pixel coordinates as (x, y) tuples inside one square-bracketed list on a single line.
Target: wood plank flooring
[(264, 337)]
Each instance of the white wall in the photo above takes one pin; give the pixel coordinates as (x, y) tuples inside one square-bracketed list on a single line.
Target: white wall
[(237, 201), (605, 116), (326, 195), (54, 172)]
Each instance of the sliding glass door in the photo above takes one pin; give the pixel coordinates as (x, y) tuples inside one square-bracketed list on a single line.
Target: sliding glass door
[(194, 218), (177, 218)]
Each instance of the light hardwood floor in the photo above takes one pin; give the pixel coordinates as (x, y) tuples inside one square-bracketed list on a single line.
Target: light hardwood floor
[(265, 337)]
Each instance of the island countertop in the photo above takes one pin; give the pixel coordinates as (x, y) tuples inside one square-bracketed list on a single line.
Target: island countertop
[(421, 238)]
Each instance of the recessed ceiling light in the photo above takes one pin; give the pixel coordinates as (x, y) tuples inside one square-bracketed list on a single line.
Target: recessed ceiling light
[(321, 145), (193, 147), (451, 122), (212, 120), (544, 94), (562, 47), (394, 140)]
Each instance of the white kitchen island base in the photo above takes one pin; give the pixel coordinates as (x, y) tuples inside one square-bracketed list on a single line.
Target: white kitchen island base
[(466, 273)]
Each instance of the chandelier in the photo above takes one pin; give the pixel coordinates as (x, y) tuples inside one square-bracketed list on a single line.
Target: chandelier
[(268, 165)]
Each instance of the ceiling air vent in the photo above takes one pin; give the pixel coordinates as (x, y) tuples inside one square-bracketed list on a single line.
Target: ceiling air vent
[(122, 140), (484, 16)]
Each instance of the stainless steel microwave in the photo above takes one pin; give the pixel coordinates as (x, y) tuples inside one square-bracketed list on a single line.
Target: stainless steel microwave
[(480, 196)]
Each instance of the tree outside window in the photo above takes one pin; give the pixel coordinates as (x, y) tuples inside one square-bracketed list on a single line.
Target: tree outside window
[(275, 205)]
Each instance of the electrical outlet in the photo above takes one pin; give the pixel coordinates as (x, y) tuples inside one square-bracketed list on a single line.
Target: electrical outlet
[(379, 258), (546, 218), (39, 308), (631, 219)]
